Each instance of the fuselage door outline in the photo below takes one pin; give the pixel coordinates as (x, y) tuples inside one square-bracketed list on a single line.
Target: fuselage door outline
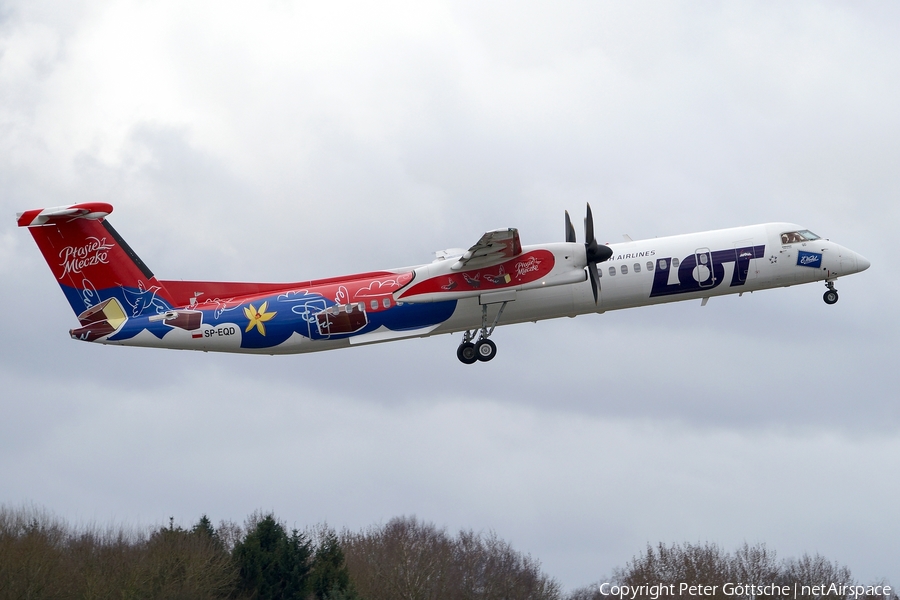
[(743, 267), (703, 273)]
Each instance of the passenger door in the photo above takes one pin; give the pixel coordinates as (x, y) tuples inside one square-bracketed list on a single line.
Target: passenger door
[(703, 270)]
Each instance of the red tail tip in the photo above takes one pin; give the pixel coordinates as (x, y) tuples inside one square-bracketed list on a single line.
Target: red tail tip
[(63, 214)]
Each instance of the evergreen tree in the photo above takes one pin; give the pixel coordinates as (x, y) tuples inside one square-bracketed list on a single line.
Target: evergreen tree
[(204, 530), (273, 565), (329, 577), (204, 527)]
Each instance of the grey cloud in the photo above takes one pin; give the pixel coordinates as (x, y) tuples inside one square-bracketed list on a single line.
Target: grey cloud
[(769, 415)]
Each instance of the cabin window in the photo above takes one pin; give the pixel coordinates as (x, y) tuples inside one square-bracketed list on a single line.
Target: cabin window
[(361, 306), (704, 259), (624, 269), (662, 264), (612, 270), (649, 265), (373, 304), (386, 302), (637, 267), (674, 263)]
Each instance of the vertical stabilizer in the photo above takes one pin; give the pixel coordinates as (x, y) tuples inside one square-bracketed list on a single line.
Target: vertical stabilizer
[(92, 263)]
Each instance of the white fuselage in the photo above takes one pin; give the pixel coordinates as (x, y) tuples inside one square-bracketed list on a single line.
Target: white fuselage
[(639, 273), (633, 286)]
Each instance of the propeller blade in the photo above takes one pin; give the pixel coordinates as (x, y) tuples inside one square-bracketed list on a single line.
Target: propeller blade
[(570, 230), (593, 252), (595, 280), (589, 226)]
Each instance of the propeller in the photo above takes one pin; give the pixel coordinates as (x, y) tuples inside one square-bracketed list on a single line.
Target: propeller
[(570, 231), (594, 252)]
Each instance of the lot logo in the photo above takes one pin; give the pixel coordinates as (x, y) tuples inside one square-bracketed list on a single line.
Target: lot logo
[(809, 259), (681, 278)]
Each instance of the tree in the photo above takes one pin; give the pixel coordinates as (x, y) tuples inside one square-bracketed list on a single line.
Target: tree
[(272, 564), (329, 577), (815, 570), (179, 563), (410, 560), (753, 567), (204, 528)]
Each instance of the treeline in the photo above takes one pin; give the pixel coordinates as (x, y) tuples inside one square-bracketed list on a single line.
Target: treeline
[(752, 572), (406, 559), (42, 557)]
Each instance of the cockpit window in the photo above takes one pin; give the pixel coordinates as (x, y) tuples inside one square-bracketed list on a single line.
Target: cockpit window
[(795, 237)]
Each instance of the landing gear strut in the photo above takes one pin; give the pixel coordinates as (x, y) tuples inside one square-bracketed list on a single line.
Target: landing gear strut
[(831, 296), (483, 349)]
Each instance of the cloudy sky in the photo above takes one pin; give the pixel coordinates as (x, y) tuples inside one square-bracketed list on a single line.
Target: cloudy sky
[(283, 141)]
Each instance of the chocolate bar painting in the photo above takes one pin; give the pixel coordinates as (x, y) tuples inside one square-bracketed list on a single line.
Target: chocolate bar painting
[(188, 320), (100, 320), (339, 319)]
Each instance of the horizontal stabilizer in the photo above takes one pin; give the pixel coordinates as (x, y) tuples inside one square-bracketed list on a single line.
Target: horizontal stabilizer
[(63, 214)]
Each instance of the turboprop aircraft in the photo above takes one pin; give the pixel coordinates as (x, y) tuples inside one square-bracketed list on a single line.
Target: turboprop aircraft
[(497, 281)]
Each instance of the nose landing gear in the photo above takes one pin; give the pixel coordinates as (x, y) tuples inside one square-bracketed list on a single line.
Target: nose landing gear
[(484, 349), (831, 296)]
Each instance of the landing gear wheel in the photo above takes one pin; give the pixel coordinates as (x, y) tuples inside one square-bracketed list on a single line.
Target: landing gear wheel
[(830, 297), (486, 350), (466, 353)]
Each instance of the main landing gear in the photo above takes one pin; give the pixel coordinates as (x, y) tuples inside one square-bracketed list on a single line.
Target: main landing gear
[(831, 296), (484, 349)]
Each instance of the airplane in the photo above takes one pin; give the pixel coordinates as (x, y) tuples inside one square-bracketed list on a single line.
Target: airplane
[(497, 281)]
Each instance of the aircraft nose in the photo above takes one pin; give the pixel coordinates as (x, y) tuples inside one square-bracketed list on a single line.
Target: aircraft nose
[(861, 263)]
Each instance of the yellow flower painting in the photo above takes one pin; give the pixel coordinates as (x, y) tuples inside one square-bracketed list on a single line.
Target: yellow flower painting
[(258, 317)]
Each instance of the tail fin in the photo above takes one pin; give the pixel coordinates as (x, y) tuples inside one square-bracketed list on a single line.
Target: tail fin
[(91, 261)]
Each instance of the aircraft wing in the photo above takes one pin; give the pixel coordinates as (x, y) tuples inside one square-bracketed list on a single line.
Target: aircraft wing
[(494, 247)]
